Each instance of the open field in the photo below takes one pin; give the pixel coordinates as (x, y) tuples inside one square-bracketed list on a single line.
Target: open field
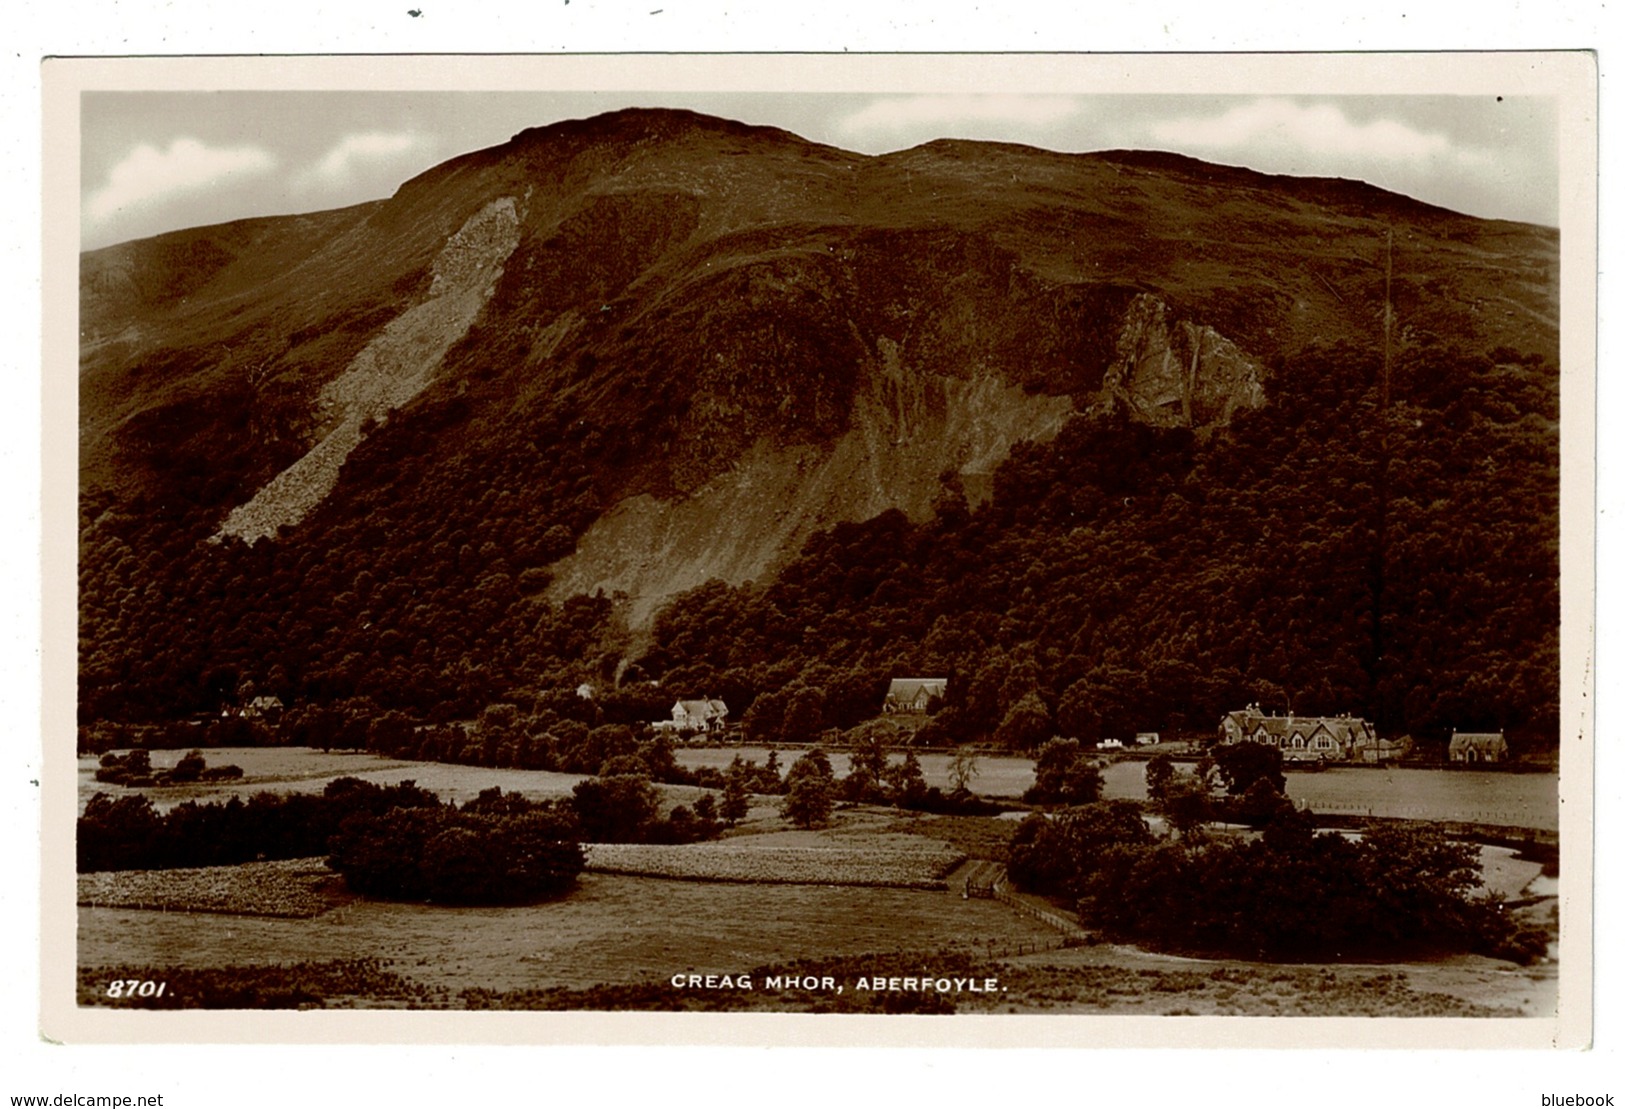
[(611, 929), (616, 939), (307, 770), (901, 861), (612, 944), (284, 888)]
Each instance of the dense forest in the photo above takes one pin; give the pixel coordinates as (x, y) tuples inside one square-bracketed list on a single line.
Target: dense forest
[(1119, 578), (1126, 578)]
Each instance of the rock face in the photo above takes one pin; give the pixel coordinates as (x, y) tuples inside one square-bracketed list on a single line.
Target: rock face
[(741, 524), (388, 372), (1178, 373)]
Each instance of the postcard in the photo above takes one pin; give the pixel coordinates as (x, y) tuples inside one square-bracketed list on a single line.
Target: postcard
[(973, 550)]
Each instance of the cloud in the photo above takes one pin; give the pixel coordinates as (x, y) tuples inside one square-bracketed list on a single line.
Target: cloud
[(1282, 127), (149, 176), (956, 116), (357, 154)]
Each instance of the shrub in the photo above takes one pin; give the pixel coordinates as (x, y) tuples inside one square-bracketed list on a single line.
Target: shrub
[(457, 857), (1064, 775), (1058, 853), (810, 787), (617, 809), (1295, 894)]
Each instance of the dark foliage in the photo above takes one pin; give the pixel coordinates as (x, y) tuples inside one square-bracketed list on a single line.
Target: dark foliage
[(1289, 894), (1063, 775), (128, 833), (472, 856), (1058, 853), (135, 771), (1124, 576), (1240, 765), (809, 790)]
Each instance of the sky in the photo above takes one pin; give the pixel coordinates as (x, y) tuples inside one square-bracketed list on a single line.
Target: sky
[(157, 161)]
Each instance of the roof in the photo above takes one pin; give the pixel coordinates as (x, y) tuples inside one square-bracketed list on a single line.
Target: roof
[(908, 689), (703, 708), (1345, 729), (1463, 740)]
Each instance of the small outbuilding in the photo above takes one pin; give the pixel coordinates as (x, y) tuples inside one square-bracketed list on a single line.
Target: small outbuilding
[(1478, 747)]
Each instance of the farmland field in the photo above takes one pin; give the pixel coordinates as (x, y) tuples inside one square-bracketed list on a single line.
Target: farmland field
[(632, 932), (877, 859), (612, 928), (307, 770)]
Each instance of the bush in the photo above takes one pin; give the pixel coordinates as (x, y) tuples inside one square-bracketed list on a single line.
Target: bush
[(1295, 894), (617, 809), (1064, 775), (1059, 853), (458, 857), (130, 834), (810, 790)]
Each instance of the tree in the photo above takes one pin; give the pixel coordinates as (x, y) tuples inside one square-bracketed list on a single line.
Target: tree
[(1059, 853), (463, 858), (906, 780), (1063, 775), (803, 715), (1027, 722), (869, 770), (615, 810), (1158, 770), (735, 793), (1242, 764), (810, 790), (190, 768), (1186, 802), (809, 802), (961, 769), (1260, 806)]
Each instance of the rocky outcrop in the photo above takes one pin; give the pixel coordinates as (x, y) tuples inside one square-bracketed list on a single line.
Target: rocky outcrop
[(389, 371), (908, 425), (907, 430), (1176, 373)]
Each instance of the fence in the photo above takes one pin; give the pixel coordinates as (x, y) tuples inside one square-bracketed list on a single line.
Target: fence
[(1520, 817)]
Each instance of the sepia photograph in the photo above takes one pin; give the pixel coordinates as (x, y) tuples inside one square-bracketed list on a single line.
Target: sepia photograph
[(925, 538)]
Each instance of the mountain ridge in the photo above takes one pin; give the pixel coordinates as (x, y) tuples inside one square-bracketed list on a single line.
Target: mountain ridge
[(701, 345)]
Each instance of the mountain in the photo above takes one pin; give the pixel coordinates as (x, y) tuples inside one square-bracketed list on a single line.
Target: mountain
[(465, 444)]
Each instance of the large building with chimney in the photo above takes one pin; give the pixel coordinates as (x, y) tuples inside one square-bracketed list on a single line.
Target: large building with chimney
[(1329, 738)]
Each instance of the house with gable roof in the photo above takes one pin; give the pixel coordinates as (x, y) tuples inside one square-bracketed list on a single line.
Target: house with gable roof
[(1478, 747), (705, 715), (1326, 738), (914, 694)]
